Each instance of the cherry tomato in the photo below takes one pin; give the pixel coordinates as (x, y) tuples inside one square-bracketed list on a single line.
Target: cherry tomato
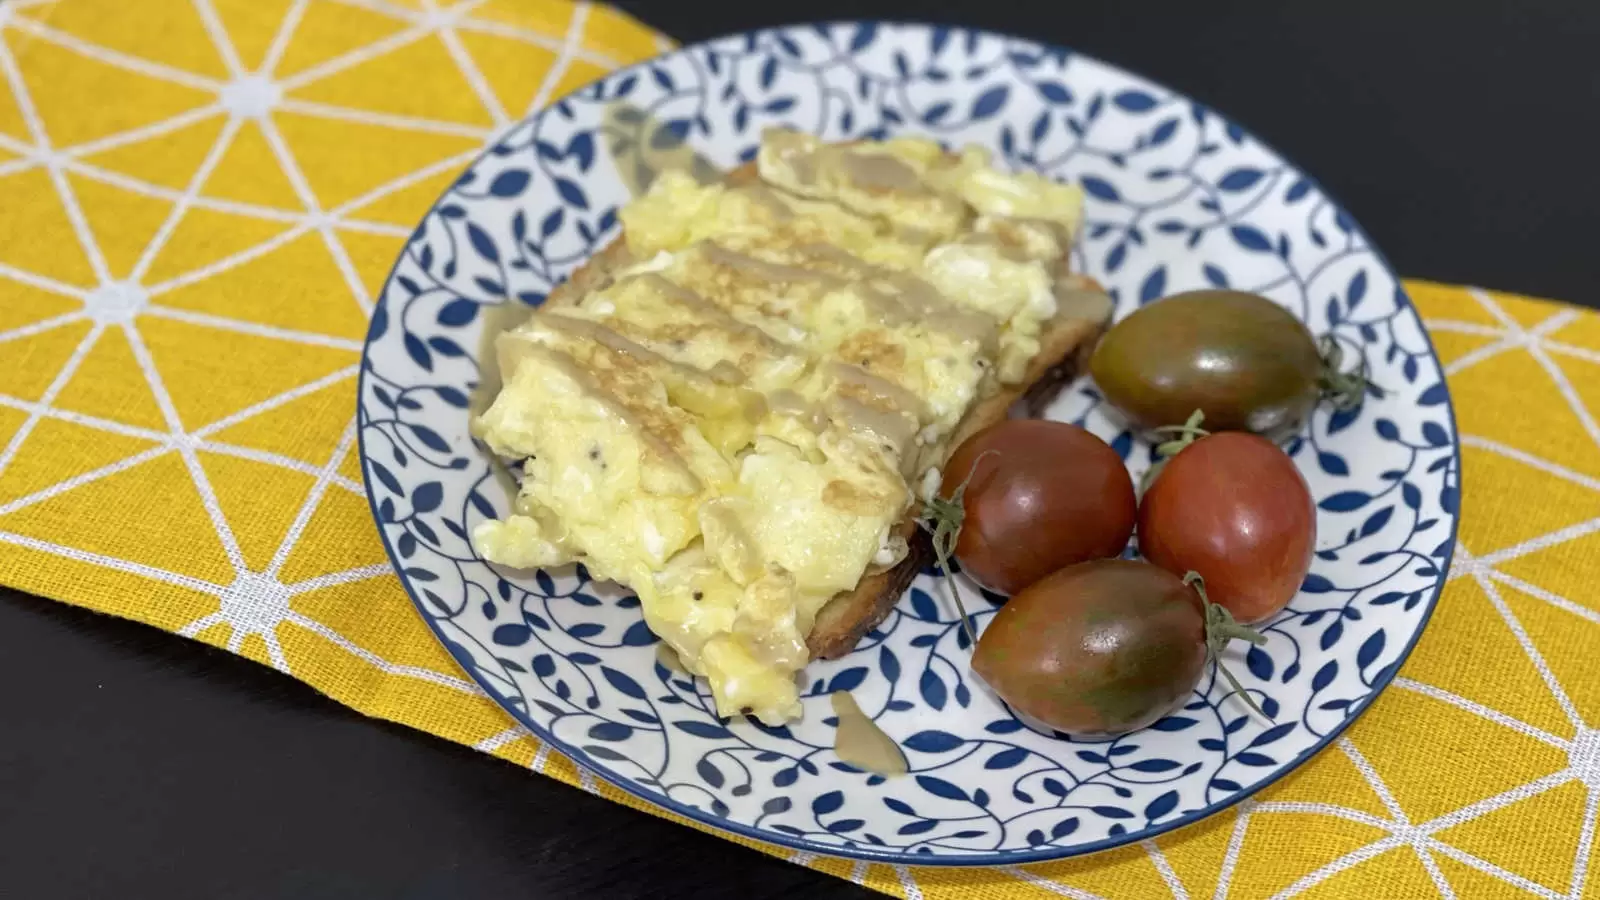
[(1040, 495), (1232, 507), (1248, 362), (1102, 647)]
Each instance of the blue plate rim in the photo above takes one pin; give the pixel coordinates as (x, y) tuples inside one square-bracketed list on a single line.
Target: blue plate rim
[(1024, 857)]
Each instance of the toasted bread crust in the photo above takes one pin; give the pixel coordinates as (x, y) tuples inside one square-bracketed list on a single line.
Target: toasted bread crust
[(1064, 349)]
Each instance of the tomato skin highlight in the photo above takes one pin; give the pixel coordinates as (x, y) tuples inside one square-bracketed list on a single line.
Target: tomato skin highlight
[(1099, 648), (1042, 495), (1232, 507)]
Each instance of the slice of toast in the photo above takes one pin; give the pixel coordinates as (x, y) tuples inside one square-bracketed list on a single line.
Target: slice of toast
[(1068, 339)]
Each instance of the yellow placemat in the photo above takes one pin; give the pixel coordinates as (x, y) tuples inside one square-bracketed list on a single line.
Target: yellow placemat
[(198, 202)]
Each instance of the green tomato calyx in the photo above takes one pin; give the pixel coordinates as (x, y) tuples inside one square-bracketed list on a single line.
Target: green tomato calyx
[(1185, 434), (1221, 629), (943, 519), (1344, 390)]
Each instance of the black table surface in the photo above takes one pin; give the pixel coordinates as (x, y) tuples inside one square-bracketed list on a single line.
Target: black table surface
[(137, 764)]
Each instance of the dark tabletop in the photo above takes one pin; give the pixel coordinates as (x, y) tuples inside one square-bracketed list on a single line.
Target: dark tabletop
[(136, 764)]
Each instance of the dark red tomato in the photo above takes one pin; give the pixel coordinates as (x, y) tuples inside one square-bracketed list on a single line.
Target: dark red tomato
[(1042, 495), (1234, 508), (1103, 647)]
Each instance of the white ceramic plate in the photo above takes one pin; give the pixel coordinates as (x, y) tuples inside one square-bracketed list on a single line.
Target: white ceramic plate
[(1179, 197)]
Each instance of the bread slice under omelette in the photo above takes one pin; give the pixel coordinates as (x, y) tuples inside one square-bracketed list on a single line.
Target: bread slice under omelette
[(793, 237)]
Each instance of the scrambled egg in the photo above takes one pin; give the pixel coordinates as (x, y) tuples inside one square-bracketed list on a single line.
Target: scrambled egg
[(733, 425)]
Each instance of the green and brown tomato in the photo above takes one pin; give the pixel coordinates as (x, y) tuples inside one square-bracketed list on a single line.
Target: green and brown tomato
[(1243, 359), (1103, 647)]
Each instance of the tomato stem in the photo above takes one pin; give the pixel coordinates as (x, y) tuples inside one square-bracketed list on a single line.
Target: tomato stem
[(1221, 628), (943, 519), (1187, 433), (1344, 390)]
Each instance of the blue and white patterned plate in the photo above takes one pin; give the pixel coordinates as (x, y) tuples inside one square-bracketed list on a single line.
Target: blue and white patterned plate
[(1179, 197)]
